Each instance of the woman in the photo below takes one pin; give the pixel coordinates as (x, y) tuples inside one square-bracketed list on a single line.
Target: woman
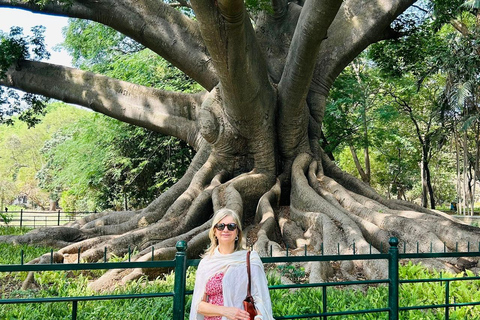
[(221, 281)]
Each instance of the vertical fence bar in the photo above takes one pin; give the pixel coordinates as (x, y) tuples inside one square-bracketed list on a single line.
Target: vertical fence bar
[(74, 309), (58, 218), (21, 218), (180, 280), (393, 277), (447, 300), (324, 301)]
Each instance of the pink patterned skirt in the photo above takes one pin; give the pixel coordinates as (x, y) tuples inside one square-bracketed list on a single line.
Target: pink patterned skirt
[(214, 293)]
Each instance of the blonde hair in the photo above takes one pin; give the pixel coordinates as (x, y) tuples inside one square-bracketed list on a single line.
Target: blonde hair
[(217, 217)]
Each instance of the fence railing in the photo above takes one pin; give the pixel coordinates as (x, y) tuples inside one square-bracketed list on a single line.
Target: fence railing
[(38, 219), (180, 264)]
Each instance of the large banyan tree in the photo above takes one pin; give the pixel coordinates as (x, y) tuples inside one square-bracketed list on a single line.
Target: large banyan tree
[(255, 128)]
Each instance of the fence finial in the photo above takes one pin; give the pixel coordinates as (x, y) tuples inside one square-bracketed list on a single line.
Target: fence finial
[(393, 242), (181, 246)]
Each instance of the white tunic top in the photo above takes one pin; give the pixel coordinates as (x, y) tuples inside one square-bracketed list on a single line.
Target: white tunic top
[(234, 282)]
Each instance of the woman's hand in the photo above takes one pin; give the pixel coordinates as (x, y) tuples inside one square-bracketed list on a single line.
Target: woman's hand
[(235, 313), (232, 313)]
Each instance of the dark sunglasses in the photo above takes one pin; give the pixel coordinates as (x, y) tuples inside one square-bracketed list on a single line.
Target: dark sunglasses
[(230, 226)]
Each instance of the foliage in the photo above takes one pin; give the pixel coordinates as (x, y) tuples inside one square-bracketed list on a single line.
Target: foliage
[(98, 48), (12, 254), (6, 217), (110, 163), (20, 152), (358, 115), (15, 47), (4, 231), (310, 300), (294, 273), (93, 45)]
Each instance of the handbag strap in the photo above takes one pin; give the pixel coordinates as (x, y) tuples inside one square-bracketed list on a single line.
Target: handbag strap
[(248, 273)]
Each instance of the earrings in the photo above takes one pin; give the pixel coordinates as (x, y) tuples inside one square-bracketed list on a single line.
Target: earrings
[(236, 238)]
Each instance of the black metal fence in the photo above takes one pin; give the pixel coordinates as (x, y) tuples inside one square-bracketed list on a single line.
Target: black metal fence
[(181, 264), (38, 219)]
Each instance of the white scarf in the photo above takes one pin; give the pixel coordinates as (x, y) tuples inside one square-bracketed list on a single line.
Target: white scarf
[(234, 281)]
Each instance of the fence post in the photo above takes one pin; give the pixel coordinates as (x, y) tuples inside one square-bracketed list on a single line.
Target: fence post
[(180, 280), (21, 218), (58, 218), (393, 277)]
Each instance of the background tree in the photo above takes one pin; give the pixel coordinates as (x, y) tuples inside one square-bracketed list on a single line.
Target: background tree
[(446, 42), (422, 108), (21, 157), (347, 112), (266, 76)]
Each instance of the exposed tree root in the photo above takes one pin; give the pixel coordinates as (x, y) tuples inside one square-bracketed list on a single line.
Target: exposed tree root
[(329, 213)]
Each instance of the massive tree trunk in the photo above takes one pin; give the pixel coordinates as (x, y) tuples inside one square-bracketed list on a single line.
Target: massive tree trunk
[(256, 130)]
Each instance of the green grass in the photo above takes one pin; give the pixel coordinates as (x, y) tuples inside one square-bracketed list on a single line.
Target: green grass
[(284, 301)]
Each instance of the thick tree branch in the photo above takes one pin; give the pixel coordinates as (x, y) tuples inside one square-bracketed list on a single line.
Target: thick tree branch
[(460, 27), (358, 24), (311, 30), (166, 112), (152, 23), (240, 66)]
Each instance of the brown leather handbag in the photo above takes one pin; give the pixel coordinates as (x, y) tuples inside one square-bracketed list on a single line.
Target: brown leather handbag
[(248, 303)]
